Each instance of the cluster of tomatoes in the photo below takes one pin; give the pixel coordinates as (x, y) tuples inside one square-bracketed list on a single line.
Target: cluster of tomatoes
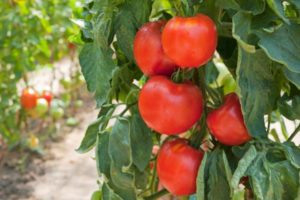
[(171, 108), (37, 105)]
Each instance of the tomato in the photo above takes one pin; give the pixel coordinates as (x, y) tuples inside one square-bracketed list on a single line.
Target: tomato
[(48, 96), (170, 108), (71, 46), (28, 98), (191, 41), (177, 166), (41, 106), (148, 51), (226, 123), (57, 113)]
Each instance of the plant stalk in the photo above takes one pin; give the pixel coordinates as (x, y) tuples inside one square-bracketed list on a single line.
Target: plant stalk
[(294, 133)]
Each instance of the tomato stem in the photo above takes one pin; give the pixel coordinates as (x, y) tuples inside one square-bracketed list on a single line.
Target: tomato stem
[(296, 131), (157, 194)]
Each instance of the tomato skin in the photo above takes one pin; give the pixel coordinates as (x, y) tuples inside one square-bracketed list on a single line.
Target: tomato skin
[(148, 51), (170, 108), (29, 98), (48, 96), (177, 167), (226, 123), (190, 41)]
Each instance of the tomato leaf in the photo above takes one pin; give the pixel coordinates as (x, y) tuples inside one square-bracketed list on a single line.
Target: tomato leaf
[(293, 77), (97, 74), (214, 176), (141, 151), (242, 29), (109, 194), (130, 17), (286, 51), (102, 155), (90, 137), (242, 167), (257, 79), (278, 8)]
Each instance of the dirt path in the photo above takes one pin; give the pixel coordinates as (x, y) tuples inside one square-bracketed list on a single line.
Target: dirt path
[(68, 175)]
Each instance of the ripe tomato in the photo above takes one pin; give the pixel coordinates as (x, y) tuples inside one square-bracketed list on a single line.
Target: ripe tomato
[(227, 124), (170, 108), (48, 96), (28, 98), (177, 167), (191, 41), (148, 51)]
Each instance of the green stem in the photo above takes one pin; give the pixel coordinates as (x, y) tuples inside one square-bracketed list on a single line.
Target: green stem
[(269, 122), (127, 108), (157, 195), (294, 133)]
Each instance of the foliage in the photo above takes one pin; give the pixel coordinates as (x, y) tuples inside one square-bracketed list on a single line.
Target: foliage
[(258, 43), (32, 33)]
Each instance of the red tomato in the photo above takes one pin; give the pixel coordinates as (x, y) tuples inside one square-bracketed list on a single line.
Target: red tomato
[(191, 41), (227, 124), (71, 46), (48, 96), (177, 167), (170, 108), (148, 51), (28, 98)]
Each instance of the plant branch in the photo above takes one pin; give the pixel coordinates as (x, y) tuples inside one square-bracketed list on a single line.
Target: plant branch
[(157, 195), (294, 133)]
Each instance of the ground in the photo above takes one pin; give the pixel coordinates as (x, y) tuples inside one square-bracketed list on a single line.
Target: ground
[(61, 174)]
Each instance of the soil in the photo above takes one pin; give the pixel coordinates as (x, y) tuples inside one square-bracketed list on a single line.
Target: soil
[(60, 174)]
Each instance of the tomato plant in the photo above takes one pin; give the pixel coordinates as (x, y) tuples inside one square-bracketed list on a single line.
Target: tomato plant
[(33, 34), (243, 57)]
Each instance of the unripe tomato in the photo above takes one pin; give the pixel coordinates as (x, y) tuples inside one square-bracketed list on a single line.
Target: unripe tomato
[(190, 41), (48, 96), (177, 167), (170, 108), (226, 123), (148, 51), (56, 113), (41, 106), (29, 98)]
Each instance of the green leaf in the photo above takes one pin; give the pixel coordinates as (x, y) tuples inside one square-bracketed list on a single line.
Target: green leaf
[(292, 153), (97, 67), (277, 7), (219, 177), (109, 194), (242, 167), (273, 181), (130, 17), (254, 6), (290, 107), (294, 77), (102, 155), (242, 30), (214, 176), (90, 137), (201, 178), (259, 89), (141, 151), (287, 51), (97, 195), (121, 154)]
